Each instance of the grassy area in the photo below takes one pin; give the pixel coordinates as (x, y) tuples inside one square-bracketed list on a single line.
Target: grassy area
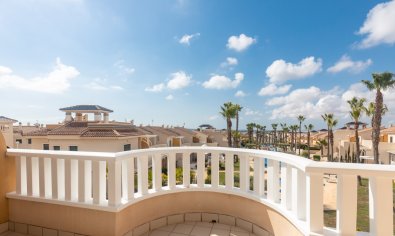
[(362, 209)]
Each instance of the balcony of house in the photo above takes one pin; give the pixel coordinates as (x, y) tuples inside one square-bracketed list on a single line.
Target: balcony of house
[(260, 192)]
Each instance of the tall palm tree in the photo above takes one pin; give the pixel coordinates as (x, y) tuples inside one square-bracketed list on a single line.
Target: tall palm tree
[(257, 135), (370, 108), (238, 109), (262, 135), (274, 126), (357, 109), (326, 117), (322, 143), (300, 119), (308, 127), (228, 112), (381, 82), (250, 130), (332, 123)]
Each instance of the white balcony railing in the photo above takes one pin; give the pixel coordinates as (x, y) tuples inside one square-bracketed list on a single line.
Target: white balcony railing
[(289, 184)]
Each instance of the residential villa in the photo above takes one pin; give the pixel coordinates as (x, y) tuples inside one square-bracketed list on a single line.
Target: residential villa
[(6, 127)]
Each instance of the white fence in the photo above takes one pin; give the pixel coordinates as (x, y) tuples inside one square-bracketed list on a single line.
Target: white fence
[(289, 184)]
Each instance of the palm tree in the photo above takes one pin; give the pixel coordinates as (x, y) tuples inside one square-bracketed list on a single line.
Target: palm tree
[(237, 108), (257, 134), (300, 119), (250, 130), (381, 82), (228, 112), (326, 118), (357, 108), (308, 128), (262, 136), (293, 129), (274, 126), (322, 143), (332, 123)]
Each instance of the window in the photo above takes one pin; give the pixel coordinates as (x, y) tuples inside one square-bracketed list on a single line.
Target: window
[(391, 139), (29, 141), (73, 148), (19, 141), (45, 146), (127, 147), (56, 148)]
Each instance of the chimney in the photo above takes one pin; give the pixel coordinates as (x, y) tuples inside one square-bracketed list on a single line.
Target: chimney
[(68, 117), (97, 116), (78, 117), (20, 126), (106, 117), (132, 122)]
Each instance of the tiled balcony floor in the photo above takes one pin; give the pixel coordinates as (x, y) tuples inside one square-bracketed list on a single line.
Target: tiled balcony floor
[(12, 234), (199, 229)]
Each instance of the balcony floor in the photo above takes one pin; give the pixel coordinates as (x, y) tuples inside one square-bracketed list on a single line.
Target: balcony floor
[(199, 229), (12, 234)]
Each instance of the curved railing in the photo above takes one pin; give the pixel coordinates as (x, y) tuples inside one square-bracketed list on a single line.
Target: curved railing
[(290, 184)]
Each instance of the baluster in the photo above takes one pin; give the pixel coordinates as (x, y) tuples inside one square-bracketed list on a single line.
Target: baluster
[(157, 172), (18, 175), (380, 205), (298, 193), (314, 202), (214, 169), (99, 181), (186, 169), (229, 170), (259, 176), (54, 180), (71, 179), (128, 178), (114, 182), (273, 181), (286, 186), (44, 170), (201, 160), (84, 180), (143, 174), (244, 172), (346, 213), (171, 170)]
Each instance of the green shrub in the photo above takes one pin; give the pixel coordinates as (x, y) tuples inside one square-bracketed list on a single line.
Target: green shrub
[(316, 157), (305, 154)]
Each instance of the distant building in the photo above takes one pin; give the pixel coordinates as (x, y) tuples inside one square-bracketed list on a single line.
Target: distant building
[(6, 127)]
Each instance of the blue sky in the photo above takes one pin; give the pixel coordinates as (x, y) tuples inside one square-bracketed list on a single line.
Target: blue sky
[(176, 61)]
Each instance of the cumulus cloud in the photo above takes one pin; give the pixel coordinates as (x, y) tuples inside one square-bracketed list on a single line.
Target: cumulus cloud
[(123, 68), (379, 26), (169, 97), (56, 81), (240, 43), (230, 61), (156, 88), (313, 102), (102, 85), (250, 112), (223, 82), (346, 64), (213, 117), (281, 71), (273, 89), (178, 80), (240, 94), (187, 38)]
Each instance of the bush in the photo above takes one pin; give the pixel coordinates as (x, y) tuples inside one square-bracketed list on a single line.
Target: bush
[(305, 154), (317, 157)]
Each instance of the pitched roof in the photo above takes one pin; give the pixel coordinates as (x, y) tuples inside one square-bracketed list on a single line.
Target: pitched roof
[(6, 119), (86, 108)]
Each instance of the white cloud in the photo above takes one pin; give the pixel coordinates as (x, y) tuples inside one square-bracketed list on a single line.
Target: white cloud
[(123, 68), (250, 112), (223, 82), (5, 70), (102, 84), (379, 25), (169, 97), (240, 43), (56, 81), (230, 61), (345, 63), (179, 80), (240, 94), (187, 38), (281, 71), (273, 89), (156, 88)]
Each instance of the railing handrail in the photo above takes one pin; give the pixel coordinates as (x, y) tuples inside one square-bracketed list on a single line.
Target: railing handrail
[(301, 163)]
